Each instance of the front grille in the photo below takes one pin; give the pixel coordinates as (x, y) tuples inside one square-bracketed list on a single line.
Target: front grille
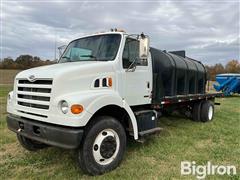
[(41, 90), (34, 94), (39, 115), (41, 98), (25, 81), (39, 106)]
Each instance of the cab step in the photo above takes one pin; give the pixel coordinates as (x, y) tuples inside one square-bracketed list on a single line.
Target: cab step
[(149, 132)]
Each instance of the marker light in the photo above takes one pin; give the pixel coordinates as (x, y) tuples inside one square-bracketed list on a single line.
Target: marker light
[(76, 108)]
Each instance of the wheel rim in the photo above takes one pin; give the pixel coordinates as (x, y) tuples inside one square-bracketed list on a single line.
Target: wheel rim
[(210, 113), (106, 146)]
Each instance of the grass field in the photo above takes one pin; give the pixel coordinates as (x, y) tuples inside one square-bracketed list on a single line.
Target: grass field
[(7, 76), (158, 158)]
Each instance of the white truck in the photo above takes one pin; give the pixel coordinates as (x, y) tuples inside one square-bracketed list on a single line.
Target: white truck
[(105, 87)]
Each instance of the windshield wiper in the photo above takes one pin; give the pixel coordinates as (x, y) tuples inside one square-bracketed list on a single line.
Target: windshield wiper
[(94, 57), (91, 56), (65, 57)]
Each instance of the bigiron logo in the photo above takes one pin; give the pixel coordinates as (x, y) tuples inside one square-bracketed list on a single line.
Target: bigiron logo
[(201, 171)]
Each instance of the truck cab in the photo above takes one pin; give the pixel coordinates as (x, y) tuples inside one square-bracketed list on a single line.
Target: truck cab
[(100, 75), (98, 94)]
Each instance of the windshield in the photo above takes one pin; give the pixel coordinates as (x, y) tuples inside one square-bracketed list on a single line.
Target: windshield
[(93, 48)]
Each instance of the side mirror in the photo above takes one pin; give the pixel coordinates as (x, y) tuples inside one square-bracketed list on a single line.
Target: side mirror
[(143, 47)]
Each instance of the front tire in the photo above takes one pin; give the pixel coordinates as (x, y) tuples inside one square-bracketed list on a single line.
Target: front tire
[(103, 146), (30, 144)]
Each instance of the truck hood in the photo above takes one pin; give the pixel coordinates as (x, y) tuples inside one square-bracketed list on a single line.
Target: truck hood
[(66, 69), (71, 77)]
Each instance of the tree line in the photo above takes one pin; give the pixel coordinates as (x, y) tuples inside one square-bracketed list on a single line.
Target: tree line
[(232, 66), (23, 62), (28, 61)]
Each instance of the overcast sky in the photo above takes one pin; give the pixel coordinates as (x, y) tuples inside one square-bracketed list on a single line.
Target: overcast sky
[(207, 30)]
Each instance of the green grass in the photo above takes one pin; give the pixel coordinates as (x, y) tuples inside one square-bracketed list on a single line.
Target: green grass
[(158, 158), (7, 76)]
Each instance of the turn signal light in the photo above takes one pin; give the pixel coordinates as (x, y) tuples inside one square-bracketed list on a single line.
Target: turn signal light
[(76, 109)]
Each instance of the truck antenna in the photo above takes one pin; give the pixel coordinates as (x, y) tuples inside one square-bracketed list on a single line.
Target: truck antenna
[(55, 47)]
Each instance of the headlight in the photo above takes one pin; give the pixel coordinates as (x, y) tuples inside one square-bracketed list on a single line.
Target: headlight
[(64, 106)]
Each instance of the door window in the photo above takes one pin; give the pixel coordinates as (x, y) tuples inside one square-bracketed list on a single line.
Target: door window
[(130, 52)]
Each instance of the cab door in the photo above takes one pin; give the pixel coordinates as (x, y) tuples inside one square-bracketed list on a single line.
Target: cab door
[(137, 75)]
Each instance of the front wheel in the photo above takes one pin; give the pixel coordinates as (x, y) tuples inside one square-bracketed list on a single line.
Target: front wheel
[(103, 146)]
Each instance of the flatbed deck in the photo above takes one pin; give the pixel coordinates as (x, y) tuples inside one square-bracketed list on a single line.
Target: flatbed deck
[(189, 97)]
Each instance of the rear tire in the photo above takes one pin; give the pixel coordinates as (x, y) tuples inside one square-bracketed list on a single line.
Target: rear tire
[(196, 114), (207, 111), (29, 144), (103, 146)]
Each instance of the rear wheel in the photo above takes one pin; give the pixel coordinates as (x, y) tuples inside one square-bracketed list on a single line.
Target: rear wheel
[(207, 111), (29, 144), (196, 113), (103, 146)]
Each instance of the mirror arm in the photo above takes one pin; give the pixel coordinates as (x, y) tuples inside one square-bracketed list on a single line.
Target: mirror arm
[(130, 69)]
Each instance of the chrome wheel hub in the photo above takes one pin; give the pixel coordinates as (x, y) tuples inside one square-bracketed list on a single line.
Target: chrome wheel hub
[(106, 146), (210, 113)]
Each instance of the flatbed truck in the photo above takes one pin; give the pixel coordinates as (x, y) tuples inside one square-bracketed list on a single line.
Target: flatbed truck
[(105, 88)]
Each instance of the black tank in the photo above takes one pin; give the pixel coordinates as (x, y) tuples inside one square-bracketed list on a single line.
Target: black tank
[(175, 74)]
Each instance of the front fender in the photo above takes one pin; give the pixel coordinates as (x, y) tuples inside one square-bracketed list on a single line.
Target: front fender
[(92, 101)]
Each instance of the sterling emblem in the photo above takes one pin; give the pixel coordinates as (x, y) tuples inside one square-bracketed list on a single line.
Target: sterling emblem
[(31, 78)]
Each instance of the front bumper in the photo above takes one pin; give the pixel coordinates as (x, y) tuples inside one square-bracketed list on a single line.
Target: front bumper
[(51, 134)]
